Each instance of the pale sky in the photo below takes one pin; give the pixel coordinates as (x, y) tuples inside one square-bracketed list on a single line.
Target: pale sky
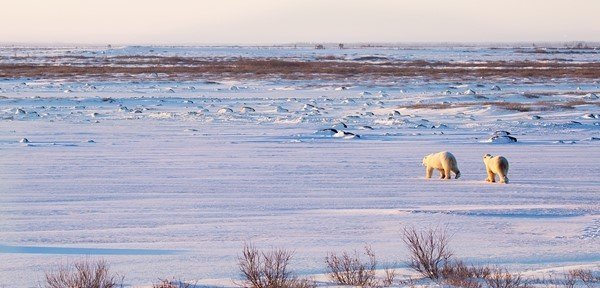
[(173, 22)]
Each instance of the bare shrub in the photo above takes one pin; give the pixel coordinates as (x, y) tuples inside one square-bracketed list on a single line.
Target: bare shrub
[(570, 280), (463, 282), (83, 274), (350, 269), (457, 273), (428, 249), (501, 278), (164, 283), (585, 276), (410, 282), (268, 269), (389, 277)]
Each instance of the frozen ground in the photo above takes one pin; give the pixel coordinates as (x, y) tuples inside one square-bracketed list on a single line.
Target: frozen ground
[(162, 180)]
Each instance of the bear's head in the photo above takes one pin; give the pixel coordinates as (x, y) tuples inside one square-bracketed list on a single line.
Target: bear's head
[(486, 157), (425, 159)]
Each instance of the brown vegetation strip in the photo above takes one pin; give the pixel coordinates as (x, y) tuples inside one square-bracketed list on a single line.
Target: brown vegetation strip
[(264, 68), (521, 107)]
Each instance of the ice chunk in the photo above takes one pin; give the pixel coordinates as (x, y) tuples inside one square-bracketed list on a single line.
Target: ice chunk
[(327, 131), (247, 109), (502, 139), (345, 135), (280, 109), (339, 125), (224, 110), (469, 92)]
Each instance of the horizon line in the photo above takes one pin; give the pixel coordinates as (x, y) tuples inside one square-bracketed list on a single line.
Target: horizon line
[(4, 44)]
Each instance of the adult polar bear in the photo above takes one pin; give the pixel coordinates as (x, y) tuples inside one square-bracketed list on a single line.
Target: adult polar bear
[(442, 161), (496, 165)]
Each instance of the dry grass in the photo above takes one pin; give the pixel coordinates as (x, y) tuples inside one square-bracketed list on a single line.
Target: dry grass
[(164, 283), (435, 106), (574, 278), (513, 106), (521, 107), (83, 275), (457, 273), (268, 269), (328, 66), (500, 278)]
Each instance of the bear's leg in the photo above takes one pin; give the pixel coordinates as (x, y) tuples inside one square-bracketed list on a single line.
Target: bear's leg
[(428, 172), (442, 173), (491, 176), (447, 170)]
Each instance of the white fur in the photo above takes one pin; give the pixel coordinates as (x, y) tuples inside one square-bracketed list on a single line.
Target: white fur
[(496, 165), (444, 162)]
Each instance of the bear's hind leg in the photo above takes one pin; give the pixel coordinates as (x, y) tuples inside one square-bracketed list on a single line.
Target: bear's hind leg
[(446, 168), (442, 173), (491, 177), (503, 178)]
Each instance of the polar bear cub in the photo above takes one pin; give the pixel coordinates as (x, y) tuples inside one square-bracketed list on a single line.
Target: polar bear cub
[(442, 161), (496, 165)]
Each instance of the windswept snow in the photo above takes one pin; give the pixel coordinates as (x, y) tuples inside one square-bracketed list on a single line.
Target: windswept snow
[(166, 181)]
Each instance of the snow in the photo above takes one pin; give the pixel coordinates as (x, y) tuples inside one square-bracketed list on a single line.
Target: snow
[(172, 184)]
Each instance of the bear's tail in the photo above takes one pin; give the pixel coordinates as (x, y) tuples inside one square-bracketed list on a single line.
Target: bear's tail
[(457, 174)]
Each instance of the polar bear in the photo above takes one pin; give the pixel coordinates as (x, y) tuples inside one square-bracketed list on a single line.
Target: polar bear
[(442, 161), (496, 165)]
